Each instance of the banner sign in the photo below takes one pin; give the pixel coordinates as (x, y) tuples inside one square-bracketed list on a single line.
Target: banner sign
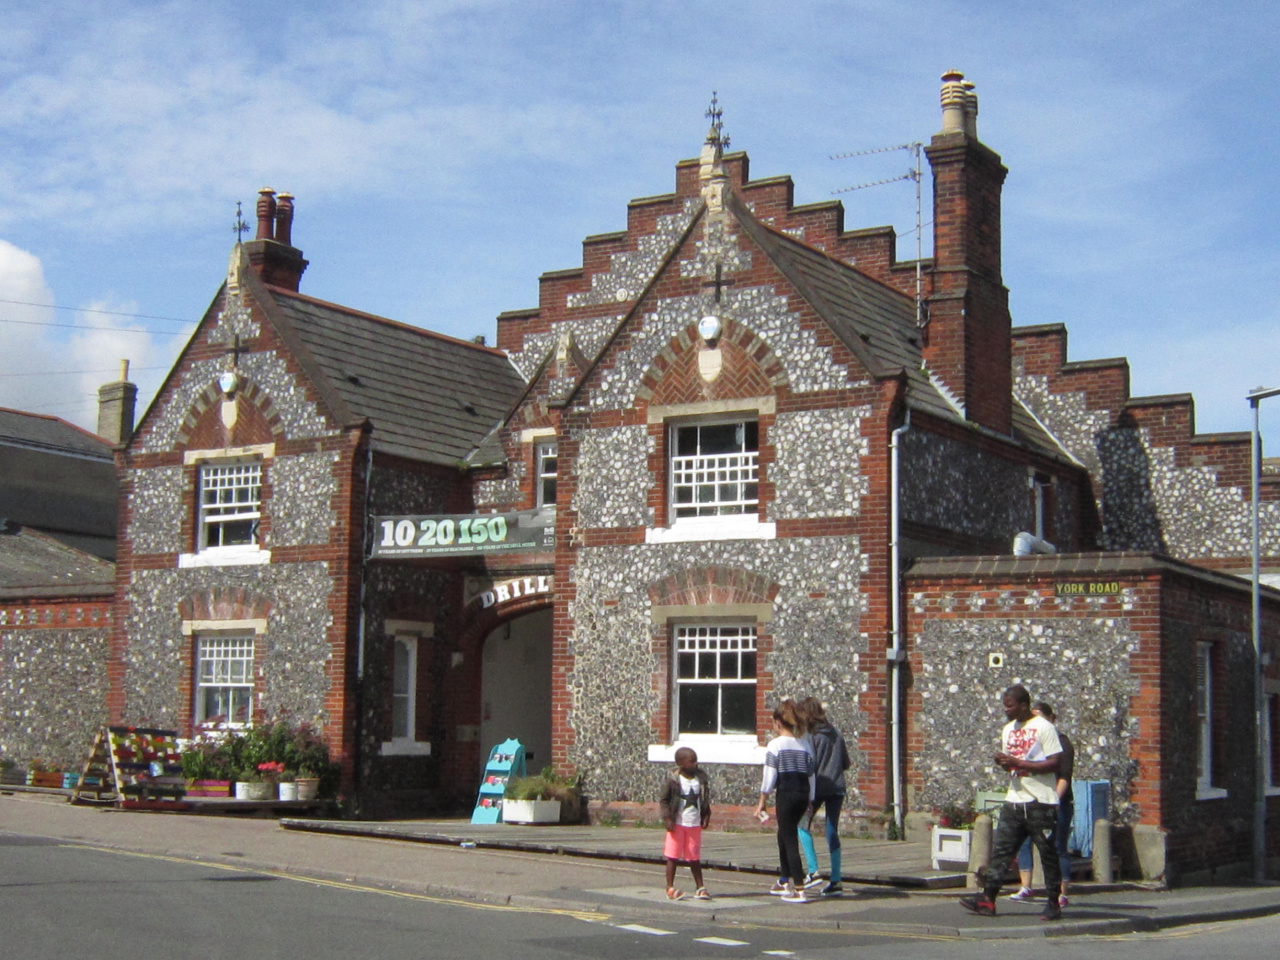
[(459, 535)]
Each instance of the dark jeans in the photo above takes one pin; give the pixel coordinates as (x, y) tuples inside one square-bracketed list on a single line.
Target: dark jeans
[(1018, 821), (789, 808), (1066, 810)]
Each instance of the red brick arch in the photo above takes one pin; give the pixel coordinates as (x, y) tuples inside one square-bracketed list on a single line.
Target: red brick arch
[(224, 603), (712, 585), (750, 368), (258, 420)]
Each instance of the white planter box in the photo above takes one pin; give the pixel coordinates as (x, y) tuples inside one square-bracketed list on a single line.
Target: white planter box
[(951, 847), (530, 811)]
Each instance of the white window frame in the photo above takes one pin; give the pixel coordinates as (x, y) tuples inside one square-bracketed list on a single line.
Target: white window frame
[(406, 635), (237, 641), (217, 514), (734, 526), (205, 555), (689, 640), (716, 472), (544, 450), (1203, 679)]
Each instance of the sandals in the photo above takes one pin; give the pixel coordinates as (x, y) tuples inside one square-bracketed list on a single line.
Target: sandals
[(702, 894), (674, 894)]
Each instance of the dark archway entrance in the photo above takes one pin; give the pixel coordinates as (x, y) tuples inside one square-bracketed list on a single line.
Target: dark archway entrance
[(515, 688)]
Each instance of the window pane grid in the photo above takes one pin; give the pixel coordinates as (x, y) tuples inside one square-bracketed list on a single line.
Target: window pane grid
[(230, 502), (716, 678), (546, 469), (224, 678), (715, 469)]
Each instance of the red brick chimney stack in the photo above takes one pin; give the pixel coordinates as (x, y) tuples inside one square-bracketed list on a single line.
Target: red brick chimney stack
[(271, 253), (967, 340)]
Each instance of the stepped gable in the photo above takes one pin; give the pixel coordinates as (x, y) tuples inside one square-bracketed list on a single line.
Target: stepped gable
[(428, 396), (1099, 389), (618, 267)]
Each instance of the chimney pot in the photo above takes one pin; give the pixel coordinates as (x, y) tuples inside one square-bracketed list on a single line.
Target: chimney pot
[(955, 99), (284, 219), (266, 214)]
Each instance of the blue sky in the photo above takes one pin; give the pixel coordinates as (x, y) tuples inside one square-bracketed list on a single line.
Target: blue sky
[(444, 154)]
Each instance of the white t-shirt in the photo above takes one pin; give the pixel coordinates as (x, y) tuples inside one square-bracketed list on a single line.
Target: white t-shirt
[(1037, 739), (690, 816)]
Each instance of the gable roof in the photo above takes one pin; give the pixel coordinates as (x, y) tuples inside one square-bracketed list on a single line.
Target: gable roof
[(427, 396), (35, 565), (42, 432)]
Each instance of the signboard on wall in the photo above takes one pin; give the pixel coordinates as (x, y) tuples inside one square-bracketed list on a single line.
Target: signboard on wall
[(460, 535)]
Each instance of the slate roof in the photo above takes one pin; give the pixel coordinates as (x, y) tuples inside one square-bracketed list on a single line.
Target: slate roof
[(58, 478), (34, 565), (40, 431), (428, 396), (876, 322)]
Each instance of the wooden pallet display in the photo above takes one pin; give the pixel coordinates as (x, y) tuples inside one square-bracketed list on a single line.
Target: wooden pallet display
[(97, 782), (506, 760), (144, 768)]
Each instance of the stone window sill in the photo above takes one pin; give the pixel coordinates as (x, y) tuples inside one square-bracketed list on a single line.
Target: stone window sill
[(1210, 793), (224, 557), (404, 747), (741, 750), (696, 529)]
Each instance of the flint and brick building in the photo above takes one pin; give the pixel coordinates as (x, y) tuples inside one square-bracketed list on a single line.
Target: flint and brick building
[(771, 462)]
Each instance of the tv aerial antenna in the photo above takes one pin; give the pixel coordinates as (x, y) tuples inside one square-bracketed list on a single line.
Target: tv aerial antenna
[(915, 149)]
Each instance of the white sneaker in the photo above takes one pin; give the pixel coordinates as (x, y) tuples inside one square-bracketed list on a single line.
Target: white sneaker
[(778, 889), (812, 880), (1024, 895), (794, 896)]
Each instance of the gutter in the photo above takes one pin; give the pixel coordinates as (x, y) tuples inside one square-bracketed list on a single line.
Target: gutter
[(896, 654)]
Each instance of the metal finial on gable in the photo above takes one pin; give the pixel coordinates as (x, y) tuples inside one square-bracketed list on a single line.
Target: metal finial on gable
[(716, 134), (240, 227)]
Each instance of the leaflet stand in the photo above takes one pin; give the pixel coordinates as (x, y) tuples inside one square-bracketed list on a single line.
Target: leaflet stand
[(506, 760)]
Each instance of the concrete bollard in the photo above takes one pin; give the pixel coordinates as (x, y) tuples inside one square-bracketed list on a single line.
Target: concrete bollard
[(979, 852), (1102, 851)]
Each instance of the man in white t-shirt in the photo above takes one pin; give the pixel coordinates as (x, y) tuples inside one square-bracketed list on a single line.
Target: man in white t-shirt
[(1029, 753)]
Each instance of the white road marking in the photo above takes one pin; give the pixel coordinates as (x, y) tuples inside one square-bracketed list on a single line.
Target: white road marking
[(638, 928), (722, 942), (779, 953)]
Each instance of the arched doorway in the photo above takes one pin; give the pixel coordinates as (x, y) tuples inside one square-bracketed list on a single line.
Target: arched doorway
[(515, 687)]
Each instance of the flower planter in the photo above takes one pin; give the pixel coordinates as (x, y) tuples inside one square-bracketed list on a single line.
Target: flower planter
[(530, 811), (288, 790), (45, 778), (69, 781), (951, 847), (209, 788), (308, 788), (254, 791)]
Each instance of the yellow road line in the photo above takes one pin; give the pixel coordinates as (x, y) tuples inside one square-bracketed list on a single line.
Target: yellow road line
[(348, 885)]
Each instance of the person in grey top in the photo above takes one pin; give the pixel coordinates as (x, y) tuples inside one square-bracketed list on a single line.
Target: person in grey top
[(831, 757)]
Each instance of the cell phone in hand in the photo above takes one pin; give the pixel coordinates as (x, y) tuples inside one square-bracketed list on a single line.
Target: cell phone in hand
[(763, 816)]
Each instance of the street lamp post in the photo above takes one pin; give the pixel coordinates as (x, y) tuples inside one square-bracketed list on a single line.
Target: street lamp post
[(1260, 736)]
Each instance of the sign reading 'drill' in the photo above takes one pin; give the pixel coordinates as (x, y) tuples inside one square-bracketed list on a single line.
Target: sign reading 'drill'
[(496, 593), (1087, 588), (463, 534)]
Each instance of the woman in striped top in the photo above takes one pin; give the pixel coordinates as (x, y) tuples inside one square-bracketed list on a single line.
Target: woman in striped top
[(788, 769)]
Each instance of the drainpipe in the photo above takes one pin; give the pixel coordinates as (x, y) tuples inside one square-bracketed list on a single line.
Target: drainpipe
[(896, 654)]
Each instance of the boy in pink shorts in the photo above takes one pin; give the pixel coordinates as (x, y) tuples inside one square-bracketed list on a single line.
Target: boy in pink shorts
[(686, 809)]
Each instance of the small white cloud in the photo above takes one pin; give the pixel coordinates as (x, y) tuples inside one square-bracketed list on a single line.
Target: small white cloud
[(48, 367)]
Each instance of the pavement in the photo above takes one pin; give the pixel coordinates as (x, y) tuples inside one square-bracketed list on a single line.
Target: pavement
[(614, 872)]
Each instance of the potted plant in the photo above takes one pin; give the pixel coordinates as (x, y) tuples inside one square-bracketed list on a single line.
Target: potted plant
[(538, 799), (952, 836), (251, 786), (205, 763), (41, 774), (287, 788)]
